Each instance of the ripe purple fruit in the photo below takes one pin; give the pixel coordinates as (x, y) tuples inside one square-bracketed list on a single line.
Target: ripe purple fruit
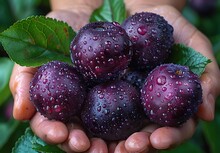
[(101, 51), (57, 91), (113, 111), (152, 39), (171, 94)]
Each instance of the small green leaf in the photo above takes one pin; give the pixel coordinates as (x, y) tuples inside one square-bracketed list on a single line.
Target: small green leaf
[(6, 66), (25, 143), (111, 10), (47, 148), (32, 144), (37, 40), (187, 56)]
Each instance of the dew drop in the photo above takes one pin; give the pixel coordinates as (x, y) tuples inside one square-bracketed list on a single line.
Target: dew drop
[(90, 48), (152, 112), (190, 90), (178, 83), (37, 87), (106, 111), (99, 91), (150, 88), (99, 108), (101, 96), (95, 38), (111, 60), (104, 105), (57, 108), (85, 42), (158, 94), (97, 68), (181, 91), (161, 80), (172, 76), (169, 96), (39, 76), (134, 38), (118, 108), (133, 23), (142, 30), (164, 89), (121, 97)]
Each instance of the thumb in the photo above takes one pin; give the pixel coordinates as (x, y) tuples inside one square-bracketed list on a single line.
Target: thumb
[(210, 86), (19, 85)]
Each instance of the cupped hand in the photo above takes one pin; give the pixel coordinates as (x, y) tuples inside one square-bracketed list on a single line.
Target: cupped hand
[(72, 137), (185, 33)]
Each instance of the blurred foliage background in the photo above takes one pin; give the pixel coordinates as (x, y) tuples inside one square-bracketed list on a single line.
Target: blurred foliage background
[(206, 138)]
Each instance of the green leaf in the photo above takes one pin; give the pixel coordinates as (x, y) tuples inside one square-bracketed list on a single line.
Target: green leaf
[(32, 144), (6, 66), (47, 148), (111, 10), (187, 56), (37, 40)]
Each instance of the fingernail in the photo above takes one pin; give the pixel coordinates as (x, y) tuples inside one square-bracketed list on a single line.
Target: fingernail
[(79, 141)]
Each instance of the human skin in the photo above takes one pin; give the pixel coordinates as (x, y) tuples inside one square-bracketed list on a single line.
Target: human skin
[(71, 137)]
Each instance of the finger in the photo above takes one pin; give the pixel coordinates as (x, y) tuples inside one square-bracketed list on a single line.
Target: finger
[(168, 137), (77, 140), (206, 110), (98, 146), (140, 141), (75, 13), (140, 5), (75, 20), (20, 79), (120, 148), (53, 132), (186, 33)]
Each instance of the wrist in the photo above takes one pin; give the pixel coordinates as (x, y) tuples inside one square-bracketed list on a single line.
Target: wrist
[(75, 4), (130, 4)]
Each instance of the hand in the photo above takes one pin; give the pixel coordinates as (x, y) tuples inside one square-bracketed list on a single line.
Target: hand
[(72, 138), (184, 32)]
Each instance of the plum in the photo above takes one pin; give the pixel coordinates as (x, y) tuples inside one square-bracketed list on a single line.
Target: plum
[(171, 94), (101, 51), (57, 91), (113, 111), (152, 38)]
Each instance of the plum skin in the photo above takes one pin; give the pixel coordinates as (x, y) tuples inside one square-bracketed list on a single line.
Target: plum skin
[(113, 111), (171, 94), (57, 91)]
